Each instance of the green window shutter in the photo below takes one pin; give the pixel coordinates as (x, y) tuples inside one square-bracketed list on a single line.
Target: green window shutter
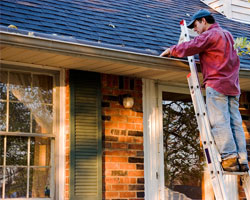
[(85, 136)]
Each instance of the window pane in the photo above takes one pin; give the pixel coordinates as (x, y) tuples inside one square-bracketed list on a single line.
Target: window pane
[(16, 182), (1, 181), (183, 157), (39, 182), (19, 118), (1, 150), (42, 122), (43, 85), (16, 153), (20, 86), (3, 116), (3, 84), (40, 152)]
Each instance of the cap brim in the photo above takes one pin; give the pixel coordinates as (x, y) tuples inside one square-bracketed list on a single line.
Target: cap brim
[(191, 24)]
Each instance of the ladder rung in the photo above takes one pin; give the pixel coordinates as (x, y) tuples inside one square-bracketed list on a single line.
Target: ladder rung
[(234, 173)]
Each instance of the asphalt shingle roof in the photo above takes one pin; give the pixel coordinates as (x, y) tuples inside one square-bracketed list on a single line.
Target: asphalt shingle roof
[(150, 25)]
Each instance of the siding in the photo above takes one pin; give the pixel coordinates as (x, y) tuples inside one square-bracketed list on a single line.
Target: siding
[(238, 10)]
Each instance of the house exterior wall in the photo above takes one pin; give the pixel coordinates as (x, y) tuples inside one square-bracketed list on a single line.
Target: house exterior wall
[(123, 159), (123, 168), (123, 162)]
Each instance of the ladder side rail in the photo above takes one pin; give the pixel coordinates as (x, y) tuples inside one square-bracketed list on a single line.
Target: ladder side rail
[(191, 59), (213, 163), (206, 123)]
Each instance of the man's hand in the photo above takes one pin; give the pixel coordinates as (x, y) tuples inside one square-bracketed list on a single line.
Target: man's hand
[(165, 53)]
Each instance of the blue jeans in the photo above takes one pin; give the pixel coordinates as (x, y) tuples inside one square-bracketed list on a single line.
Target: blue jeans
[(226, 125)]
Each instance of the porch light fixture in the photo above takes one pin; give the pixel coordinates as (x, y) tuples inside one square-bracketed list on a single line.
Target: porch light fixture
[(128, 101)]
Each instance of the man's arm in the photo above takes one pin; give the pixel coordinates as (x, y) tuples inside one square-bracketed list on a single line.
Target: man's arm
[(192, 47)]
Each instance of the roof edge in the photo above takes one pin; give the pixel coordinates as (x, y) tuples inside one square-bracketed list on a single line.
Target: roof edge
[(76, 47), (73, 47)]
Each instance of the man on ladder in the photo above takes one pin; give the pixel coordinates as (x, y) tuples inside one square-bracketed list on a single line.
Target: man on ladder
[(220, 68)]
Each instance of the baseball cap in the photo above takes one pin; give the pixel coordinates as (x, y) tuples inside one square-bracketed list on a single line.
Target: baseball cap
[(199, 14)]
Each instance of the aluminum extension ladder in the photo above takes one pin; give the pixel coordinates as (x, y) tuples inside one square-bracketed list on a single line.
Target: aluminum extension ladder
[(212, 155)]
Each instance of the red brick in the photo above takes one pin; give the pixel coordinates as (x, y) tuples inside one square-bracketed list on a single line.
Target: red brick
[(107, 91), (127, 166), (135, 120), (124, 180), (132, 181), (135, 173), (110, 111), (107, 187), (111, 180), (137, 140), (120, 153), (111, 194), (115, 156), (135, 146), (126, 139), (127, 194), (126, 126), (119, 159), (126, 112), (119, 187), (116, 105), (139, 127), (139, 114), (111, 124), (119, 118), (107, 172), (112, 165), (119, 146)]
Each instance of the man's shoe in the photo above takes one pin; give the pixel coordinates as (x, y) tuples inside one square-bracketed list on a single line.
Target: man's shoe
[(230, 165), (244, 167)]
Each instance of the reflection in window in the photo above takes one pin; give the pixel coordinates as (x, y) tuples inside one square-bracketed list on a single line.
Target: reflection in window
[(1, 149), (19, 118), (38, 181), (1, 181), (3, 110), (16, 181), (16, 153), (183, 157), (26, 107)]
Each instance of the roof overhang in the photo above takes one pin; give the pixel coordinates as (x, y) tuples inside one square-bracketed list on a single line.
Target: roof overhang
[(25, 50)]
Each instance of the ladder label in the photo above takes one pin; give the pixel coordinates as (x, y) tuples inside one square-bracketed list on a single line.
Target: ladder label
[(208, 156)]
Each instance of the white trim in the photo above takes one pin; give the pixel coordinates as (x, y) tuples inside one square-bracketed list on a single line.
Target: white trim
[(62, 139), (161, 151), (153, 168)]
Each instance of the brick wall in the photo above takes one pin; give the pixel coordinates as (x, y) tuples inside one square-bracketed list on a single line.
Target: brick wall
[(245, 112), (67, 132), (123, 169)]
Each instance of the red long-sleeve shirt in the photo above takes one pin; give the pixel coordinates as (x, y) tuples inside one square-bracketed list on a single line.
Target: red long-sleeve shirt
[(220, 63)]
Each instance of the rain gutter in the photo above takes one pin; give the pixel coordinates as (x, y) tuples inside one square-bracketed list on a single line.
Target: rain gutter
[(92, 50)]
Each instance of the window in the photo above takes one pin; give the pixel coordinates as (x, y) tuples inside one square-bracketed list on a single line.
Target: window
[(183, 155), (27, 134)]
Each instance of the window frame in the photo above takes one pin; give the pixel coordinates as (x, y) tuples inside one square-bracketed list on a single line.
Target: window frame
[(57, 143)]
